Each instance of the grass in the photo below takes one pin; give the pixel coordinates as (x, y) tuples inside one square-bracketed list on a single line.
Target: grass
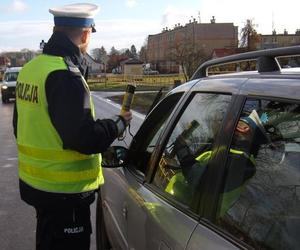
[(141, 101), (117, 86), (112, 82), (112, 86)]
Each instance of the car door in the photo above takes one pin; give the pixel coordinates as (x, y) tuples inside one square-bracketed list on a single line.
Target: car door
[(120, 182), (162, 211), (258, 204)]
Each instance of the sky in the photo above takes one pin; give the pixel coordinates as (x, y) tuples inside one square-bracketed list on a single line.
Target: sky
[(121, 23)]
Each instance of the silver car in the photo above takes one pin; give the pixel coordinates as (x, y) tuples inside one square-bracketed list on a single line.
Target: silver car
[(215, 165)]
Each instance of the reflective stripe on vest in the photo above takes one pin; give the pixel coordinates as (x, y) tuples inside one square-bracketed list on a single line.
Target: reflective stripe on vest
[(58, 176), (204, 157), (43, 163), (182, 190), (56, 155)]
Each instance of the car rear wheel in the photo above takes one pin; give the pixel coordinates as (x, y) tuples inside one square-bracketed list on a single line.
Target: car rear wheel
[(102, 240)]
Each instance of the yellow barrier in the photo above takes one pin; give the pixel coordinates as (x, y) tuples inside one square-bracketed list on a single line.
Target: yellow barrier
[(139, 79)]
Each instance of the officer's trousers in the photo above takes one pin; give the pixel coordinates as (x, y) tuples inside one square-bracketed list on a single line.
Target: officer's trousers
[(63, 229)]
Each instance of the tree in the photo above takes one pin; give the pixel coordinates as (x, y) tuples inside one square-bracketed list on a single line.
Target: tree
[(187, 55), (143, 54), (249, 36), (95, 53), (114, 51), (133, 51), (100, 54), (127, 53), (103, 55), (115, 57)]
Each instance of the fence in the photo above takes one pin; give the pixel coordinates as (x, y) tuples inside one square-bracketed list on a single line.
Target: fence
[(138, 79), (144, 82)]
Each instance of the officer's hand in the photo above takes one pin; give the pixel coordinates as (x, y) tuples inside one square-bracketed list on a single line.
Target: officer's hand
[(127, 116)]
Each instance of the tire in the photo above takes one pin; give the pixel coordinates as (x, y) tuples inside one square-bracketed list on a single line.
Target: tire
[(102, 241)]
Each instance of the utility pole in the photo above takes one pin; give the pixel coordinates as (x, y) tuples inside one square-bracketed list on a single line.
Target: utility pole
[(193, 32), (273, 21)]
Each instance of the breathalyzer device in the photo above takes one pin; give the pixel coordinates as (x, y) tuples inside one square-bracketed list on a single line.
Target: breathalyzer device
[(128, 98)]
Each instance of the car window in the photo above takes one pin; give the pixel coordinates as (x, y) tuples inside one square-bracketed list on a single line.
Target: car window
[(260, 200), (146, 139), (11, 76), (186, 154)]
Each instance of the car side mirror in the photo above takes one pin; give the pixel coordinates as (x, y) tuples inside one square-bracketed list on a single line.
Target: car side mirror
[(114, 157)]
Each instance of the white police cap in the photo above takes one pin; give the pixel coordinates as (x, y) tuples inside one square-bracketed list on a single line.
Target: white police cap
[(75, 15)]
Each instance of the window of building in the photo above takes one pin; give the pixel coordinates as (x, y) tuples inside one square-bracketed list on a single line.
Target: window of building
[(186, 154), (261, 197)]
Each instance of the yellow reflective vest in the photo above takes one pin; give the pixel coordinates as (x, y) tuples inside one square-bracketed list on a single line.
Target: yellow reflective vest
[(43, 163), (182, 190)]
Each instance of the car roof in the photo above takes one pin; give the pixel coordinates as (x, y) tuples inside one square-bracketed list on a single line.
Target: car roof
[(267, 60), (268, 81)]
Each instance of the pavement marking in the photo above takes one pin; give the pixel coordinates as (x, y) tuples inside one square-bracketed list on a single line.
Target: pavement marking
[(7, 166), (12, 159), (118, 106)]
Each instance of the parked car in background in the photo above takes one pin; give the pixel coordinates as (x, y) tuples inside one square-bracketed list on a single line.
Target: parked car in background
[(215, 165), (9, 81), (149, 71)]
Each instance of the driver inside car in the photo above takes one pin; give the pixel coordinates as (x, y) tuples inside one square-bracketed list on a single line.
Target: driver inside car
[(248, 137)]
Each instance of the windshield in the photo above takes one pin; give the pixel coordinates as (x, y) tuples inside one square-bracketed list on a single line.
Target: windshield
[(11, 76)]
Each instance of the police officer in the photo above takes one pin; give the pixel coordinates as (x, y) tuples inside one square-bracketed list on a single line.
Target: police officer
[(58, 137)]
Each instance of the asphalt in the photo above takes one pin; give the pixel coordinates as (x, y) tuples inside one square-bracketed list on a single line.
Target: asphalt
[(17, 220)]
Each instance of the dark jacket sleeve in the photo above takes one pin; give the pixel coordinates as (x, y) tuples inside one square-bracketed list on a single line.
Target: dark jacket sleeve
[(15, 120), (73, 121)]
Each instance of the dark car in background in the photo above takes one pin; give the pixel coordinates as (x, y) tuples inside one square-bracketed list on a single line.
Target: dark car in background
[(9, 81), (215, 165)]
